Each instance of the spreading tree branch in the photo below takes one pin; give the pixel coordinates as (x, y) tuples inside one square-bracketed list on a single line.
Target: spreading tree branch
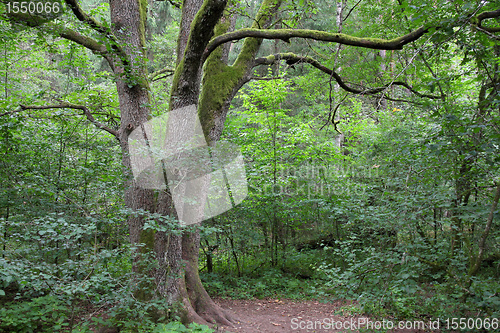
[(176, 4), (11, 112), (26, 18), (163, 72), (286, 34), (39, 21), (87, 19), (371, 43), (478, 20), (185, 87), (292, 58), (104, 31), (76, 37), (66, 105), (61, 31)]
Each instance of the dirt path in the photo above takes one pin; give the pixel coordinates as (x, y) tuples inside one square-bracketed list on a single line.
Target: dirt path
[(276, 316)]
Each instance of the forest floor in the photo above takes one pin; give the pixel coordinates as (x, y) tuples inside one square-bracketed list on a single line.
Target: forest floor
[(280, 315)]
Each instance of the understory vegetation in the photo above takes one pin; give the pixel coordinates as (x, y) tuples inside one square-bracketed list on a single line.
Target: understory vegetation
[(388, 199)]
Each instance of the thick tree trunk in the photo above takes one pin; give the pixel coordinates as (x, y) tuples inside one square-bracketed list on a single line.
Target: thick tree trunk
[(128, 24), (199, 305), (199, 299), (176, 277), (219, 85)]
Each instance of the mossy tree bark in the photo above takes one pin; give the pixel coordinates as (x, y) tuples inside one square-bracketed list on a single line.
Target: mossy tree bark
[(197, 27)]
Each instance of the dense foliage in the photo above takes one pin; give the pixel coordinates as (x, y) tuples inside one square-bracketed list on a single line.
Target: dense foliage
[(386, 198)]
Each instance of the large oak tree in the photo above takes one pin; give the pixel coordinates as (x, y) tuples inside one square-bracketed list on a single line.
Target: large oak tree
[(202, 77)]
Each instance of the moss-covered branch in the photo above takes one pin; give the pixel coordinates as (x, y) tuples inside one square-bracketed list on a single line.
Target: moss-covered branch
[(160, 74), (251, 45), (220, 81), (27, 19), (72, 35), (185, 87), (76, 37), (478, 20), (293, 58), (287, 34), (104, 31), (58, 30), (69, 34), (87, 19)]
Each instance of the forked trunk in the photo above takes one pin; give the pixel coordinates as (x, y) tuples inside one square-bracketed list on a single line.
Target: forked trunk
[(176, 276)]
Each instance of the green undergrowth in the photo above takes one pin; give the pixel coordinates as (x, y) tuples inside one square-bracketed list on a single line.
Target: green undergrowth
[(266, 283), (379, 283), (272, 283)]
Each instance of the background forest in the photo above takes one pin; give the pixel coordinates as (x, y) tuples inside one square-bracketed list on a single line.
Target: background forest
[(376, 182)]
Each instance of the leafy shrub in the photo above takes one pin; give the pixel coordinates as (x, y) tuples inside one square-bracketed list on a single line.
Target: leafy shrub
[(57, 269), (303, 264), (269, 283), (386, 283), (42, 314), (175, 327)]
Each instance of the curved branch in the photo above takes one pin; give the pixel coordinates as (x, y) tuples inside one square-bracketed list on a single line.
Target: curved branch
[(86, 42), (26, 19), (76, 37), (478, 20), (186, 79), (166, 71), (350, 11), (286, 34), (292, 58), (86, 18), (11, 112), (94, 24), (488, 15), (38, 21), (61, 31), (72, 35), (66, 105)]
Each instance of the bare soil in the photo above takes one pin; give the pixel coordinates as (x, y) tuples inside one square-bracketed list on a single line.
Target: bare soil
[(276, 316)]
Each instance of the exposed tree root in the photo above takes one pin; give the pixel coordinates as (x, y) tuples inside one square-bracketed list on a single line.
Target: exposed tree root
[(199, 300)]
